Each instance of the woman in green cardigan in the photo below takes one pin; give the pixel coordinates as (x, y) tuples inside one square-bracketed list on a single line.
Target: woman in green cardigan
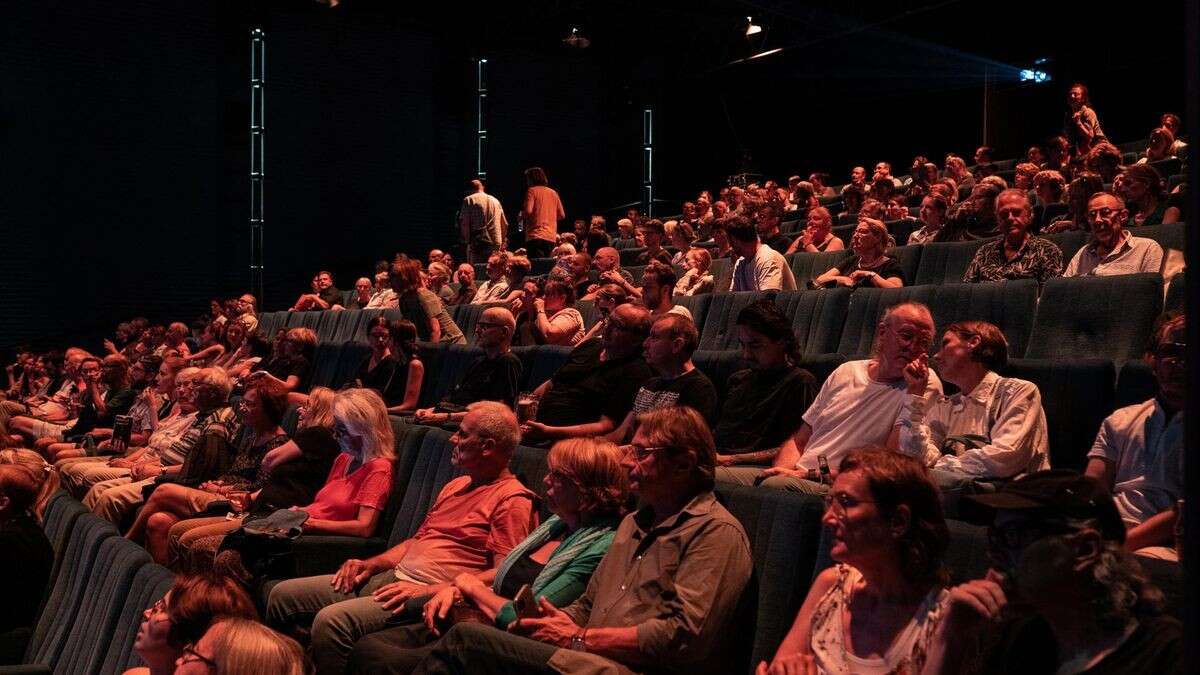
[(586, 490)]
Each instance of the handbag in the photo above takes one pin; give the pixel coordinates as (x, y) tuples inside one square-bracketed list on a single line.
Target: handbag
[(265, 543)]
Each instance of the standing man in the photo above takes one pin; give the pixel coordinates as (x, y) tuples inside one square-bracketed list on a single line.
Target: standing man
[(482, 224)]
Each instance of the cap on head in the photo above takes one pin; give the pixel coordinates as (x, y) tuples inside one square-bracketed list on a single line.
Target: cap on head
[(1062, 493)]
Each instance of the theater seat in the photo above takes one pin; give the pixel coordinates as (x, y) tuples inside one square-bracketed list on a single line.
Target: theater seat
[(269, 322), (325, 365), (62, 511), (431, 470), (360, 332), (350, 358), (822, 365), (817, 317), (540, 266), (636, 271), (1101, 317), (966, 557), (1069, 243), (720, 331), (1077, 395), (809, 266), (629, 256), (945, 262), (783, 529), (908, 257), (1135, 384), (150, 584), (444, 367), (722, 274), (718, 366), (529, 466), (546, 361), (1168, 236), (465, 317), (587, 309), (696, 304), (900, 229), (345, 325), (1177, 293)]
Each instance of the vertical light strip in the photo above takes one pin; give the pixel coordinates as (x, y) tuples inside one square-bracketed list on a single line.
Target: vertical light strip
[(648, 160), (258, 56), (481, 115)]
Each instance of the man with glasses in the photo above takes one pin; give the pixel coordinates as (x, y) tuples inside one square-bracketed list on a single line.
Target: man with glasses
[(663, 598), (594, 390), (494, 376), (856, 407), (1113, 250), (1063, 595), (246, 313), (1138, 454)]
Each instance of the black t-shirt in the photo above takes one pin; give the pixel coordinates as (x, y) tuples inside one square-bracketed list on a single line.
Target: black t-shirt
[(331, 295), (296, 483), (25, 561), (1027, 646), (890, 268), (497, 379), (779, 242), (286, 366), (117, 402), (585, 387), (389, 378), (762, 408), (692, 389)]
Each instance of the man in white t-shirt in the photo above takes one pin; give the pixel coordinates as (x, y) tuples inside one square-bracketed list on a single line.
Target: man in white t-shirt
[(1139, 455), (856, 406), (759, 267)]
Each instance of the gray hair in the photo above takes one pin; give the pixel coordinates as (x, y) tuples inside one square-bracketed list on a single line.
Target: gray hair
[(497, 421), (212, 387)]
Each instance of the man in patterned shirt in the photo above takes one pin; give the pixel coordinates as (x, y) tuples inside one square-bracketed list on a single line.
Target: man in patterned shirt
[(1016, 254)]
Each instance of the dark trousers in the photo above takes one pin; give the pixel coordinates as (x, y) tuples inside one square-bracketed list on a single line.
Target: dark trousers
[(538, 248), (393, 651), (479, 252), (476, 649)]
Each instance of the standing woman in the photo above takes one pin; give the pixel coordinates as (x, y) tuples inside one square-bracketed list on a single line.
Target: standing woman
[(1082, 126), (543, 209), (393, 369)]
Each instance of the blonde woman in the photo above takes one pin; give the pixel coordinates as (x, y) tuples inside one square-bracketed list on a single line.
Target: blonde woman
[(47, 476), (242, 647), (869, 266)]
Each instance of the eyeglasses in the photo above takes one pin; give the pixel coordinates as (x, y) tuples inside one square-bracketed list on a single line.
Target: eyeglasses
[(838, 502), (641, 452), (1104, 212), (190, 655)]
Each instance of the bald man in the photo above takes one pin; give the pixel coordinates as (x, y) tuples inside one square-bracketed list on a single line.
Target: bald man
[(494, 376), (607, 270), (482, 224)]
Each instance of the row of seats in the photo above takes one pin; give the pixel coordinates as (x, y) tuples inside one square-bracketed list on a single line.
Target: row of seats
[(1070, 318)]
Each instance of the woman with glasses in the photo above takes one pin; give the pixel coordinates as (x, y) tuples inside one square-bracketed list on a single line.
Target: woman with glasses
[(586, 490), (358, 486), (175, 623), (242, 647), (877, 609), (392, 369), (261, 410), (295, 472)]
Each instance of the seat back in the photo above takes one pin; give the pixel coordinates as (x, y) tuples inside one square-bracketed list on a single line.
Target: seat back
[(361, 329), (809, 266), (269, 322), (718, 366), (1069, 243), (908, 257), (407, 445), (108, 586), (945, 262), (444, 368), (629, 256), (350, 358), (150, 584), (345, 325), (697, 305), (529, 466), (1095, 317), (721, 271), (466, 316), (1077, 395), (1168, 236), (587, 309), (547, 359), (1135, 384), (817, 317), (327, 323), (966, 557), (325, 365), (783, 529), (720, 330), (431, 470), (900, 229)]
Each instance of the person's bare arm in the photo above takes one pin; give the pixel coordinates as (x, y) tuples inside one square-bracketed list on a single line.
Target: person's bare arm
[(1102, 471), (363, 524), (792, 448), (412, 389), (797, 644), (834, 275)]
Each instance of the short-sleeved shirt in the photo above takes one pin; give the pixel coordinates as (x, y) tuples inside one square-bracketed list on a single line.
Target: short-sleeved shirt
[(490, 291), (296, 483), (851, 411), (692, 389), (484, 218), (1039, 259), (547, 209), (470, 528), (284, 367), (1146, 451), (586, 388), (424, 306), (245, 471), (887, 269), (331, 295), (389, 377), (488, 379), (167, 442), (768, 270), (1131, 256), (369, 485), (760, 408)]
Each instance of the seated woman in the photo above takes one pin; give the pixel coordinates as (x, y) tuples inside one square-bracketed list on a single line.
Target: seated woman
[(759, 410), (933, 220), (696, 279), (237, 346), (1145, 193), (586, 489), (422, 306), (438, 282), (608, 298), (181, 618), (291, 368), (1079, 192), (869, 266), (1162, 146), (45, 476), (211, 345), (393, 369), (26, 559), (1049, 186), (239, 646), (295, 472), (551, 319), (993, 429), (817, 235), (359, 483), (681, 237), (877, 609), (262, 408)]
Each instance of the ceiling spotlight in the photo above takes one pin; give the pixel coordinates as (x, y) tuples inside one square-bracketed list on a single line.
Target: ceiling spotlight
[(751, 27), (576, 39), (1036, 76)]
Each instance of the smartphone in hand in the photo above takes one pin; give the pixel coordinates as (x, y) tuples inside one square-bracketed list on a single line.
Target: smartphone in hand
[(525, 604)]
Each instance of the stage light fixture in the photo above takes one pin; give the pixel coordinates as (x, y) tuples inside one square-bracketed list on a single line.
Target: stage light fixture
[(751, 27), (576, 40), (1035, 76)]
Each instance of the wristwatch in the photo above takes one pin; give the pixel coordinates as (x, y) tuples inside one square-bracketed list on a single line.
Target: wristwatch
[(579, 641)]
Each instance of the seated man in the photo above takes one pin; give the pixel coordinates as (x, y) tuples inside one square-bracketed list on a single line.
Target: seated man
[(759, 267), (473, 524), (993, 429), (326, 295), (658, 285), (594, 390), (662, 599), (1138, 454), (494, 376), (1064, 597), (202, 452), (668, 349), (653, 233), (495, 289), (1017, 254), (608, 270), (856, 407), (48, 417), (766, 220), (105, 395), (1113, 250)]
